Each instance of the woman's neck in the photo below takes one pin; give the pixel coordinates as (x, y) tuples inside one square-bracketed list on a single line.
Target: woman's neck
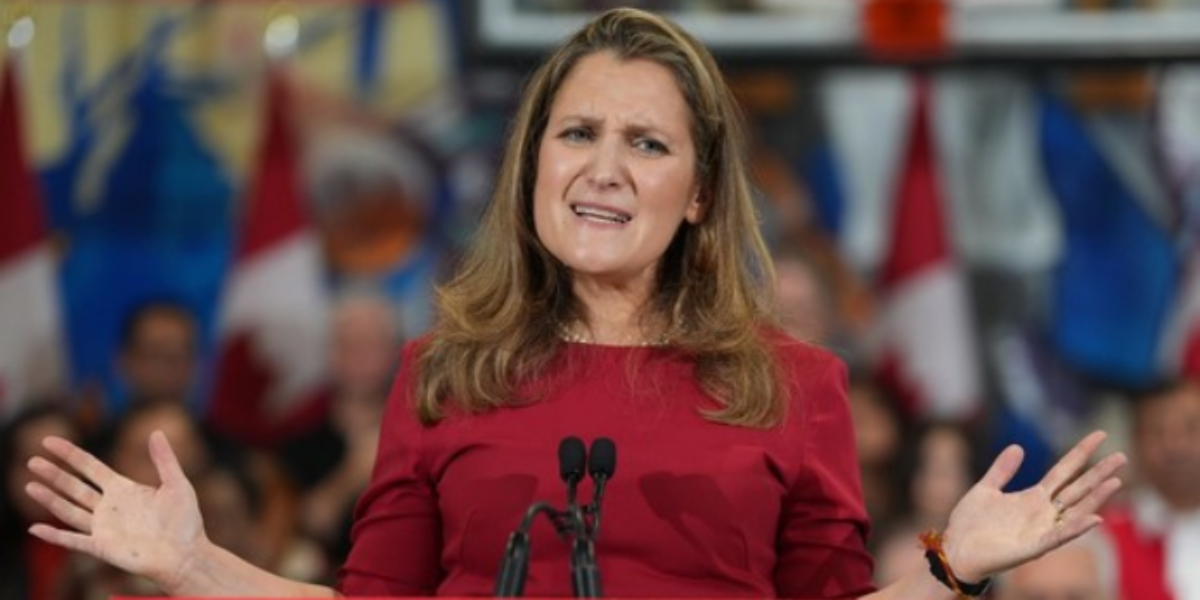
[(613, 315)]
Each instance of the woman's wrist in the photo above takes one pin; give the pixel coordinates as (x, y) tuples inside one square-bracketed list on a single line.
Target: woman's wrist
[(184, 580), (958, 556)]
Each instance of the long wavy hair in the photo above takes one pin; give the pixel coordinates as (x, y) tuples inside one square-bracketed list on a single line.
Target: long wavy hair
[(498, 319)]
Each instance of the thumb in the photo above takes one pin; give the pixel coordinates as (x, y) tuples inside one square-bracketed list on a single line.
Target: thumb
[(1004, 467), (165, 462)]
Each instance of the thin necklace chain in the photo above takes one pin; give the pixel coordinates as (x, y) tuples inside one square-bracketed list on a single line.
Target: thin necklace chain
[(566, 334)]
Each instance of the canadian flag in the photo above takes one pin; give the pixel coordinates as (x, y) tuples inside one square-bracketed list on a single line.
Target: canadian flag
[(271, 362), (925, 344), (31, 348)]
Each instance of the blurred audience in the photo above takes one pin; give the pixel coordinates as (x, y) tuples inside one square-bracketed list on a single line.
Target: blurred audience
[(819, 298), (331, 465), (159, 356), (804, 299), (124, 446), (30, 569), (937, 466), (1084, 569), (1157, 530), (879, 428)]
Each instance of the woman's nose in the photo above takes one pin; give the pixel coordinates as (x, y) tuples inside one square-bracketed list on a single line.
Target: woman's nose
[(606, 167)]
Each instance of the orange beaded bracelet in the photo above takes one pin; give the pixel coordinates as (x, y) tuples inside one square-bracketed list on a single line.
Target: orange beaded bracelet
[(939, 566)]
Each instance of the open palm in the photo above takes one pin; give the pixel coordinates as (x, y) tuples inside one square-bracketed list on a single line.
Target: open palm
[(991, 531), (148, 531)]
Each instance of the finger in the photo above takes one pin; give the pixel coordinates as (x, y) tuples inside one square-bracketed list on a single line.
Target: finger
[(83, 462), (1079, 489), (1065, 469), (165, 461), (65, 483), (60, 507), (1075, 527), (1092, 503), (67, 539), (1004, 467)]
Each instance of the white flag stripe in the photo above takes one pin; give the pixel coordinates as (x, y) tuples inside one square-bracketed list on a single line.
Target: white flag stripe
[(926, 323), (31, 361), (278, 296)]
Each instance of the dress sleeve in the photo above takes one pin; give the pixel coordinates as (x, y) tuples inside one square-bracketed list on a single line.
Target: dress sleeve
[(397, 534), (823, 530)]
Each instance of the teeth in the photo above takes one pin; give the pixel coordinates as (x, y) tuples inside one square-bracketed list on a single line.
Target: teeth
[(601, 214)]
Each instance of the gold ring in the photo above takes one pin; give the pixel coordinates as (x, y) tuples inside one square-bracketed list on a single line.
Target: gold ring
[(1060, 512)]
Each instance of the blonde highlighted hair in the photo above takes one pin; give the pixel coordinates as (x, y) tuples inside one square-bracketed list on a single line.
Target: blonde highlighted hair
[(498, 317)]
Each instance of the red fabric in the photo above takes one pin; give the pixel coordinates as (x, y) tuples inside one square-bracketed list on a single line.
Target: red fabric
[(1141, 557), (695, 508), (1191, 354), (46, 563), (274, 203), (918, 238), (23, 224), (274, 212)]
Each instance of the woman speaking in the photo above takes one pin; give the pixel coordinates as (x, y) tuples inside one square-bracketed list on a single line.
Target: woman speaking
[(617, 287)]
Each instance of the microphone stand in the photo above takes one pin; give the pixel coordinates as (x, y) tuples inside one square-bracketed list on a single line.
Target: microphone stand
[(514, 567)]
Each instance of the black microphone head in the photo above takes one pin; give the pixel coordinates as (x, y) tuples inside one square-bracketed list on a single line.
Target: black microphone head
[(602, 460), (571, 458)]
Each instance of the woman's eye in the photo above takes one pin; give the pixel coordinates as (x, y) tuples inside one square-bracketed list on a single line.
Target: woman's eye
[(576, 134), (650, 146)]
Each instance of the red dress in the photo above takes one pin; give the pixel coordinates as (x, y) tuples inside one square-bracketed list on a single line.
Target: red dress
[(695, 508)]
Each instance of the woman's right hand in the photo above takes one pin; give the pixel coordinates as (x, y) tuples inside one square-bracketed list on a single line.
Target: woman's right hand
[(148, 531)]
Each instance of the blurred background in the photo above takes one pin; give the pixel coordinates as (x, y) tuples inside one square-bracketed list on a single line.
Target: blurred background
[(223, 218)]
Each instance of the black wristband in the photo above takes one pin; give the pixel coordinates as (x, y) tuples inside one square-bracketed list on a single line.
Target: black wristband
[(962, 587)]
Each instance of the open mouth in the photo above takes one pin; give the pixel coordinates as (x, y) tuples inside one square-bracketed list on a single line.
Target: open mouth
[(601, 215)]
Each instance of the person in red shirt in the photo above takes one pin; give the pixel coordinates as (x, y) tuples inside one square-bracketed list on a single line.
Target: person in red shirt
[(1157, 530), (618, 286)]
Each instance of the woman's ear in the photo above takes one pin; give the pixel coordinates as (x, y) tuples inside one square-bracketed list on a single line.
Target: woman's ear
[(696, 209)]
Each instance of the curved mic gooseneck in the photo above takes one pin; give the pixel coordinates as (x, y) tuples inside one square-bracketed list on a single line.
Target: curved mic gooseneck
[(580, 523)]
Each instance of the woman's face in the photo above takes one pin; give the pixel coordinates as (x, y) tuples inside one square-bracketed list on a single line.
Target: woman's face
[(616, 170)]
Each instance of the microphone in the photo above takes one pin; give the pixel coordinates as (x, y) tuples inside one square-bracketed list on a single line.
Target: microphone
[(602, 465), (585, 575), (572, 456)]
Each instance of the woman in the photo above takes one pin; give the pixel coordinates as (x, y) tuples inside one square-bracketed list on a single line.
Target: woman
[(617, 287)]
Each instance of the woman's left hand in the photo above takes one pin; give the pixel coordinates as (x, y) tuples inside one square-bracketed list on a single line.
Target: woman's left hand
[(991, 531)]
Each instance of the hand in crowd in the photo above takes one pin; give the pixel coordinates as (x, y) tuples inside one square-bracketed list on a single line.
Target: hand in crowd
[(147, 531), (991, 531)]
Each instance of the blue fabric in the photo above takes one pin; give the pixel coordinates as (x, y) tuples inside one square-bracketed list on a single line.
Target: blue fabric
[(1119, 271), (157, 223), (820, 171)]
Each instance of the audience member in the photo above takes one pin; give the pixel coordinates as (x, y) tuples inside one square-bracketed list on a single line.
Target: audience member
[(879, 427), (804, 299), (158, 358), (936, 468), (332, 465), (1157, 531), (29, 568)]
